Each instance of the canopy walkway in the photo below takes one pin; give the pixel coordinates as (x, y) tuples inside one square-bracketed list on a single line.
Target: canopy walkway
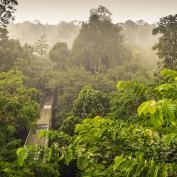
[(43, 123)]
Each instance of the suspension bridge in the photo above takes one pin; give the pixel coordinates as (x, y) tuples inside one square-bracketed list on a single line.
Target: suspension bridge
[(43, 123)]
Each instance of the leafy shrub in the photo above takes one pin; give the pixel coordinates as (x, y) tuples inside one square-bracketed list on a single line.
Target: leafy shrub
[(124, 102), (69, 123), (91, 103)]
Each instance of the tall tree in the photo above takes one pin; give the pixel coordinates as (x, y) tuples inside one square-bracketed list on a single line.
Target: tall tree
[(99, 44), (10, 52), (59, 55), (7, 8), (41, 46), (167, 45)]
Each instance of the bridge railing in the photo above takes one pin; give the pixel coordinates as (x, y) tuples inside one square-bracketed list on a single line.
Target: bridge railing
[(34, 123), (29, 136)]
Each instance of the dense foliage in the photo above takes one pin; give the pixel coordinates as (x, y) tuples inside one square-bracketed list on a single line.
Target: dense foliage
[(7, 8), (91, 103), (110, 146), (59, 54), (10, 51), (166, 47), (18, 105)]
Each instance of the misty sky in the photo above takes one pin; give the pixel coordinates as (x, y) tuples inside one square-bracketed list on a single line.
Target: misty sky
[(54, 11)]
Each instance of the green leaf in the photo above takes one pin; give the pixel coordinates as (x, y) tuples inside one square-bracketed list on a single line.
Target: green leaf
[(157, 119), (167, 139), (156, 171), (142, 108), (82, 163), (120, 85), (118, 161), (68, 155), (168, 73), (169, 109), (152, 106), (130, 168), (148, 106), (22, 155)]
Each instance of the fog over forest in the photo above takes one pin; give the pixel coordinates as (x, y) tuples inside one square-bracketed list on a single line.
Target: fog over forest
[(138, 33)]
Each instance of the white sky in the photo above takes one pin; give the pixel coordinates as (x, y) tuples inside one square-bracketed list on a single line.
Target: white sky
[(54, 11)]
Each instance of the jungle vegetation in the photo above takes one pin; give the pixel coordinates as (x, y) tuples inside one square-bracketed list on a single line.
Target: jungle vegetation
[(115, 110)]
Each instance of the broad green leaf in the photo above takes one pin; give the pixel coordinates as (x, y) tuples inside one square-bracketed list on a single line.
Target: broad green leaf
[(142, 108), (169, 109), (22, 155), (152, 107), (120, 85), (157, 119), (148, 106)]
